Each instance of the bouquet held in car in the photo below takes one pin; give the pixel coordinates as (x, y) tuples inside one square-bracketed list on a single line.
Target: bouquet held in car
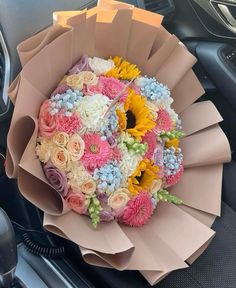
[(107, 139)]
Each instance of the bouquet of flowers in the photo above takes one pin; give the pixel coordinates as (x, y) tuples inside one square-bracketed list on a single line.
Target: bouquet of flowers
[(104, 125), (110, 147)]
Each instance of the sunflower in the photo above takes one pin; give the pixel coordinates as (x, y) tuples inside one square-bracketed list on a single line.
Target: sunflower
[(136, 118), (143, 177), (123, 69)]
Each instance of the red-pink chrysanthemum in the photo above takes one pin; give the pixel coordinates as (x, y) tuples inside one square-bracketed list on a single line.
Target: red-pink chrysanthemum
[(68, 124), (174, 179), (138, 210), (97, 152), (163, 121), (112, 87), (150, 139)]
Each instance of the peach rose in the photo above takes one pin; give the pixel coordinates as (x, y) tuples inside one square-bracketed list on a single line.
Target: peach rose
[(60, 139), (75, 147), (88, 186), (75, 81), (60, 158), (77, 202), (47, 122), (89, 77), (156, 186), (119, 199)]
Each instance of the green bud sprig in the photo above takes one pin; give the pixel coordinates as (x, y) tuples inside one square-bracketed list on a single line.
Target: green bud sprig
[(165, 196), (166, 136), (94, 209), (136, 147)]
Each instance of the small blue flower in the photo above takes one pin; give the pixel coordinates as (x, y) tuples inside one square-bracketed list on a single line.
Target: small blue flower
[(108, 177), (152, 89), (173, 159), (66, 102)]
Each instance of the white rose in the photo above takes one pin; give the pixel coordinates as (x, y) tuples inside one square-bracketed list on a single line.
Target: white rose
[(100, 66)]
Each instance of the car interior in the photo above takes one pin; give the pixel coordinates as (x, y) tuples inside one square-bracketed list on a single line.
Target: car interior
[(208, 30)]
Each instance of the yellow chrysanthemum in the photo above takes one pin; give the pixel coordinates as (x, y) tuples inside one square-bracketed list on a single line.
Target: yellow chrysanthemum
[(123, 69), (143, 177), (172, 143), (137, 118)]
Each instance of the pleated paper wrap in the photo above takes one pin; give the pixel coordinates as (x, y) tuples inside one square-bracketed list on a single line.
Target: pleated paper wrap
[(176, 235)]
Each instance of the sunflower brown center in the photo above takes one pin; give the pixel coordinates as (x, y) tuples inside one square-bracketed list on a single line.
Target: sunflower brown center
[(131, 119), (139, 178)]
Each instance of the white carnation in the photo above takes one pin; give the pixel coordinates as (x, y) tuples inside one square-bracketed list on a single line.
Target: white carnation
[(100, 66)]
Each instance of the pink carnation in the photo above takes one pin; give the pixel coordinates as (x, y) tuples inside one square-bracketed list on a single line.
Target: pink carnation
[(47, 122), (97, 152), (163, 122), (150, 139), (138, 210), (112, 87), (93, 89), (68, 124), (171, 180)]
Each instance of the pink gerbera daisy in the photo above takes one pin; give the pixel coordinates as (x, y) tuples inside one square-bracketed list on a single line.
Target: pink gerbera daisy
[(163, 122), (112, 87), (68, 124), (174, 179), (150, 139), (97, 152), (138, 210)]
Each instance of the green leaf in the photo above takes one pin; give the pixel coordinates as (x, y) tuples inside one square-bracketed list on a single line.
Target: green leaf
[(165, 196)]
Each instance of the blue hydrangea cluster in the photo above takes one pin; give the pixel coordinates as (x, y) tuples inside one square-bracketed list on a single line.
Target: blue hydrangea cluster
[(111, 125), (66, 102), (109, 177), (173, 159), (153, 90)]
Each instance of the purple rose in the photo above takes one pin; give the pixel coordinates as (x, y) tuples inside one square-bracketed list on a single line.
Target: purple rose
[(103, 198), (107, 216), (81, 65), (56, 178)]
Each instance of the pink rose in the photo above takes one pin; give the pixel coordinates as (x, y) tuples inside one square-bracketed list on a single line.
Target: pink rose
[(76, 201), (93, 89), (47, 122)]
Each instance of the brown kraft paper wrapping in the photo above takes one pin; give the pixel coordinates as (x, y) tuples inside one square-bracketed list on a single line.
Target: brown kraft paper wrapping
[(181, 233)]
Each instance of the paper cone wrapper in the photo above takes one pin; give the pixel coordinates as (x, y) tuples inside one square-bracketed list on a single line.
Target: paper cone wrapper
[(175, 235)]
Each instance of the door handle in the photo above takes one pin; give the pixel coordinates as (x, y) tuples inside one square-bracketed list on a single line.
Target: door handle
[(226, 12), (222, 10)]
